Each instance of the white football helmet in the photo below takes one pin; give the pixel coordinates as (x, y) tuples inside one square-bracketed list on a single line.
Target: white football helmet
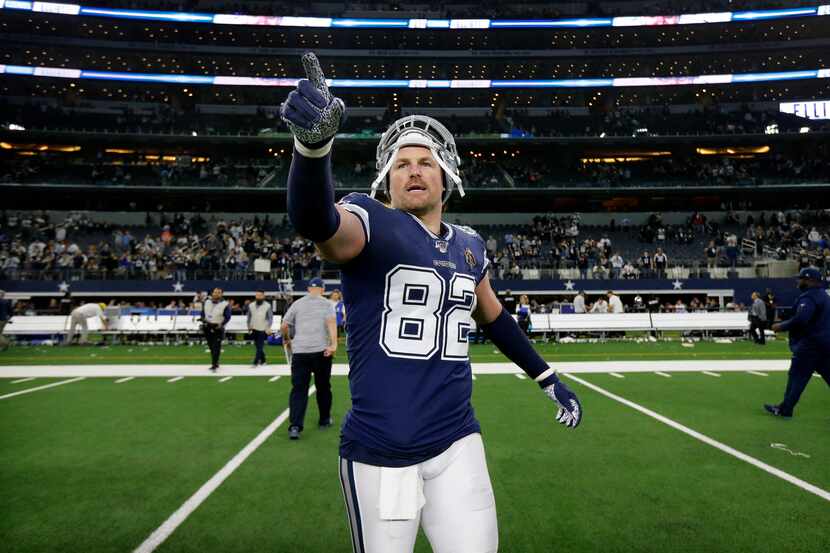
[(419, 130)]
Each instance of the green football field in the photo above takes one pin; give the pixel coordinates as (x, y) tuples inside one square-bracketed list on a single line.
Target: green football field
[(99, 464), (241, 353)]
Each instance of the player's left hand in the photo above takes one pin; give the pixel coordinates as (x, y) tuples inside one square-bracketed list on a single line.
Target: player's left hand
[(570, 409), (329, 352), (311, 112)]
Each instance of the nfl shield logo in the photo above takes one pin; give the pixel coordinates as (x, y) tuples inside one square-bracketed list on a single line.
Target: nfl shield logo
[(441, 246)]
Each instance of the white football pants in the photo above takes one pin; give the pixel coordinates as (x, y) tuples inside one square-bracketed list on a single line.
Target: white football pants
[(450, 496)]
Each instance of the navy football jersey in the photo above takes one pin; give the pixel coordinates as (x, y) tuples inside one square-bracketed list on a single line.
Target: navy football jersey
[(410, 296)]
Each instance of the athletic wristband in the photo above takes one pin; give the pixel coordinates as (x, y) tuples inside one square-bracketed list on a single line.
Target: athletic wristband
[(509, 338), (311, 193)]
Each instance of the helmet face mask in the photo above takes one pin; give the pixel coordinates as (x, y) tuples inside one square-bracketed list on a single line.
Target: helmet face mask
[(418, 130)]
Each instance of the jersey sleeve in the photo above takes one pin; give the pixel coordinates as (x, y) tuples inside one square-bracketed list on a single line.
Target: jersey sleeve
[(479, 250), (364, 208)]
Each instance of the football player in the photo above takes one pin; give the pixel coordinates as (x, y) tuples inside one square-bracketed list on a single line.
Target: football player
[(411, 451)]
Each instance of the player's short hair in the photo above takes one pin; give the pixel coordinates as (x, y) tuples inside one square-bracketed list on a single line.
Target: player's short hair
[(259, 291)]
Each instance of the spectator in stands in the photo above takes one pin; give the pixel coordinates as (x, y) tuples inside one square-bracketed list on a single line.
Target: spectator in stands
[(757, 319), (5, 316), (579, 302), (615, 305), (711, 254), (731, 241), (617, 265), (492, 245), (629, 271), (260, 318), (582, 265), (602, 269), (79, 317), (645, 265), (680, 306), (661, 262)]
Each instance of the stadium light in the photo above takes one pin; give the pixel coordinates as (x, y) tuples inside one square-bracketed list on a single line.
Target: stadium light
[(804, 130)]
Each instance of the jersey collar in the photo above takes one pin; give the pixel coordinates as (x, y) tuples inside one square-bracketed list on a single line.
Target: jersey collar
[(448, 234)]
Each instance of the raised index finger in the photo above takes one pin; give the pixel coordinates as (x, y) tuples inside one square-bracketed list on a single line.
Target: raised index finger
[(314, 73)]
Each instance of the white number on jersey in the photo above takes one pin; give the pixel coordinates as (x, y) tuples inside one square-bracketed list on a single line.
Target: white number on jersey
[(412, 319)]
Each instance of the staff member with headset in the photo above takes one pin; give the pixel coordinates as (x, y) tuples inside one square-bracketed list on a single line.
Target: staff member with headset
[(216, 312), (260, 318), (314, 344), (809, 329)]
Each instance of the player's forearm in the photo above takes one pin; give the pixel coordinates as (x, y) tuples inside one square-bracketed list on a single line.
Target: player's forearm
[(505, 333), (311, 193)]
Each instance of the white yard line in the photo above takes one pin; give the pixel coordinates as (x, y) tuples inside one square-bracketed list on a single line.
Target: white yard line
[(806, 486), (175, 379), (340, 369), (756, 373), (274, 378), (474, 376), (520, 376), (123, 380), (711, 373), (181, 514), (616, 375), (52, 385), (666, 375), (225, 379), (18, 381)]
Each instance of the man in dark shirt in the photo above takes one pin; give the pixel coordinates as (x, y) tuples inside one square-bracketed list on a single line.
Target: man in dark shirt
[(809, 328)]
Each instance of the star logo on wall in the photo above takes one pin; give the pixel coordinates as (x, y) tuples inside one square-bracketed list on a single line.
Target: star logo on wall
[(678, 285), (63, 287), (569, 285), (178, 287)]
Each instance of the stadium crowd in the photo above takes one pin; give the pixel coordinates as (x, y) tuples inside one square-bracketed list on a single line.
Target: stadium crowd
[(191, 247), (185, 248)]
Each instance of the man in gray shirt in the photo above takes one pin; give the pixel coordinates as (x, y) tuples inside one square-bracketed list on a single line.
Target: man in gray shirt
[(757, 319), (312, 322), (260, 318)]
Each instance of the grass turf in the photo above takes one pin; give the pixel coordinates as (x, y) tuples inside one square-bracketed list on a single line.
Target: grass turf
[(94, 466), (243, 354)]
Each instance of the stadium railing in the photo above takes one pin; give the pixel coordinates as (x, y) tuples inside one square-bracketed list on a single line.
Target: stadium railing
[(633, 322), (163, 323), (172, 323)]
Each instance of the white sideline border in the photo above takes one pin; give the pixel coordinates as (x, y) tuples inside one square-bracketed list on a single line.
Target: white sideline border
[(340, 369), (804, 485), (180, 515)]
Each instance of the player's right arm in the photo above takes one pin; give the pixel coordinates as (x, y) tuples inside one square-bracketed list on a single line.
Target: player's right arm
[(313, 116)]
